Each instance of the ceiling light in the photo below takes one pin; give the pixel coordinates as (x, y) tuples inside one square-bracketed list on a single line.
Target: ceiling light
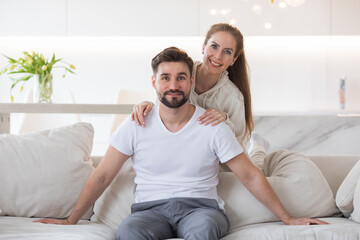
[(232, 21), (295, 3), (267, 25), (282, 4), (224, 11), (256, 9), (213, 12)]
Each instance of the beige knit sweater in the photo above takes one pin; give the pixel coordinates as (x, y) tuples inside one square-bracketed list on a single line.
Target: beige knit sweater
[(225, 97)]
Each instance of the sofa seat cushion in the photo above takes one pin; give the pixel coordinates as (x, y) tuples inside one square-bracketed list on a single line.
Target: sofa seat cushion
[(355, 215), (42, 173), (338, 229), (345, 193), (20, 228), (297, 181)]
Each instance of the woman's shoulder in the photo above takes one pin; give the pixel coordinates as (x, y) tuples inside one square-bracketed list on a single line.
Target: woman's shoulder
[(230, 90)]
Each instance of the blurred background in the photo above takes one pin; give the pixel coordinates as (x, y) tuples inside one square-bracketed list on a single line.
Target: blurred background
[(297, 50)]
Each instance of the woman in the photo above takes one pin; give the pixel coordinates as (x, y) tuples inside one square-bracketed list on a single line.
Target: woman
[(221, 84)]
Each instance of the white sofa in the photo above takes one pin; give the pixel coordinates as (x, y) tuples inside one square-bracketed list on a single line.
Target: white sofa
[(34, 184)]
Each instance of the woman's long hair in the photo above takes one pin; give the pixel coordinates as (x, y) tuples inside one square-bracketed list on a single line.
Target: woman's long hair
[(238, 72)]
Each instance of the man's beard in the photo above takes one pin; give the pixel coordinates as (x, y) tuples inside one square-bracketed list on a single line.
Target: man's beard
[(173, 103)]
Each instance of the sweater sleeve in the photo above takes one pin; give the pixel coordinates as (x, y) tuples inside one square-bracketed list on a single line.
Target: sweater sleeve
[(235, 109)]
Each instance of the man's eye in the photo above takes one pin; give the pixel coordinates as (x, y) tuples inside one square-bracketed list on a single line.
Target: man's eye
[(181, 78), (165, 78)]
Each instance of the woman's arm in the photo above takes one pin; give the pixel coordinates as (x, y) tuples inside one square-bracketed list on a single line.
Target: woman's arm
[(230, 110)]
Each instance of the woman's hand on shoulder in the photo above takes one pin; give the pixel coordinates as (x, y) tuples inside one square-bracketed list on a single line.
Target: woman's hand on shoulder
[(213, 117), (140, 111)]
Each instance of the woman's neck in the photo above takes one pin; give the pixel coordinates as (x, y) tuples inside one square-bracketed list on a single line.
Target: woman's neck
[(204, 80)]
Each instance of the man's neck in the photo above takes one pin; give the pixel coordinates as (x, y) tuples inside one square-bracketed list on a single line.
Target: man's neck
[(175, 119)]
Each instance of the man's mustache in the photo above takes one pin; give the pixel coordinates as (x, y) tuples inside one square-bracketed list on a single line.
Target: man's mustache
[(174, 91)]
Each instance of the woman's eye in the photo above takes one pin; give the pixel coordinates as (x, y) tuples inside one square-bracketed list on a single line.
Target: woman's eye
[(213, 46), (228, 52)]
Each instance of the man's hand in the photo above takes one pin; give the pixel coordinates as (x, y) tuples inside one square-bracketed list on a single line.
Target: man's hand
[(304, 221), (53, 221)]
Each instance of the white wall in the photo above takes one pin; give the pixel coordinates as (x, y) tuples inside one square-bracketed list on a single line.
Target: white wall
[(111, 42), (107, 41), (175, 17), (287, 73)]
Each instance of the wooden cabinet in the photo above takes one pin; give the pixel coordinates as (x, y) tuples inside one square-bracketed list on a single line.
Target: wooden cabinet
[(176, 18), (345, 17), (33, 18), (263, 18), (132, 18)]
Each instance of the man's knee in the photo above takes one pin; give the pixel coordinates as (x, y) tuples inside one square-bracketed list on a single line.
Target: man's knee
[(137, 226), (210, 227), (127, 231)]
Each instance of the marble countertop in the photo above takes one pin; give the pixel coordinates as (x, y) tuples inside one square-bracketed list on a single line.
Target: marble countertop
[(339, 113)]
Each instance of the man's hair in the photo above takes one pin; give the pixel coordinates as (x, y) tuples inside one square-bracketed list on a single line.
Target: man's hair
[(172, 54)]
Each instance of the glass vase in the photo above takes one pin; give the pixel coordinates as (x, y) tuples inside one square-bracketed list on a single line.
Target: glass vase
[(43, 88)]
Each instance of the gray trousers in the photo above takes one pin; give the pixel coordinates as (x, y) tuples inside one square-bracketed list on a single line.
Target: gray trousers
[(188, 218)]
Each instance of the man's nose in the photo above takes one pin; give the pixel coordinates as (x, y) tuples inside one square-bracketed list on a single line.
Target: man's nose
[(173, 84)]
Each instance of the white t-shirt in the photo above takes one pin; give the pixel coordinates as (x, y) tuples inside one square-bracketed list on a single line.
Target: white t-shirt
[(180, 164)]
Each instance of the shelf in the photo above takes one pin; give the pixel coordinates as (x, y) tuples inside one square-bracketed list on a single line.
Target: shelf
[(7, 108), (65, 108)]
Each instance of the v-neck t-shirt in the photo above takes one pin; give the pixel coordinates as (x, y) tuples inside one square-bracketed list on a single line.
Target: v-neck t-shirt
[(175, 164)]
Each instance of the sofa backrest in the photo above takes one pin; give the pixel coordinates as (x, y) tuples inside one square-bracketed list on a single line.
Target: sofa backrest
[(334, 168)]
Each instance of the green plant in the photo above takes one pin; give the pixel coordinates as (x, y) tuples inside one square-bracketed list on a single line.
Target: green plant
[(33, 64)]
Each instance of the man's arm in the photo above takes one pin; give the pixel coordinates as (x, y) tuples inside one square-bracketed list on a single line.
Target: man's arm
[(96, 184), (254, 180)]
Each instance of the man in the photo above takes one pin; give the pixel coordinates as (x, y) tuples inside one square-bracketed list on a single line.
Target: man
[(176, 163)]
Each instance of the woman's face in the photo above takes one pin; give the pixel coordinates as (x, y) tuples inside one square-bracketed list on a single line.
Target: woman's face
[(219, 52)]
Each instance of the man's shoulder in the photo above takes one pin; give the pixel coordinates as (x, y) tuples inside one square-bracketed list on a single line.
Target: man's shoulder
[(200, 111)]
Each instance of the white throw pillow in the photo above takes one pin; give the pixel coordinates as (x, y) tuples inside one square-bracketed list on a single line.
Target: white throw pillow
[(297, 181), (355, 215), (42, 173), (114, 205), (345, 193)]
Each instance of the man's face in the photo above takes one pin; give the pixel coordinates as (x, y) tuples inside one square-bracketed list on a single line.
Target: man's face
[(172, 83)]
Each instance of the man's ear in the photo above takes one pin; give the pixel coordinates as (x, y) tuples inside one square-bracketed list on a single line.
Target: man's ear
[(192, 80), (153, 81)]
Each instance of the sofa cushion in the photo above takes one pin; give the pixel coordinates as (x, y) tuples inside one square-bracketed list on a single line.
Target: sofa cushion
[(297, 181), (42, 173), (355, 215), (114, 205), (345, 193), (339, 229)]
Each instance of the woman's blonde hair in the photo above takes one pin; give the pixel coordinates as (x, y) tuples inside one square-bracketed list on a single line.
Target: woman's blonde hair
[(238, 72)]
